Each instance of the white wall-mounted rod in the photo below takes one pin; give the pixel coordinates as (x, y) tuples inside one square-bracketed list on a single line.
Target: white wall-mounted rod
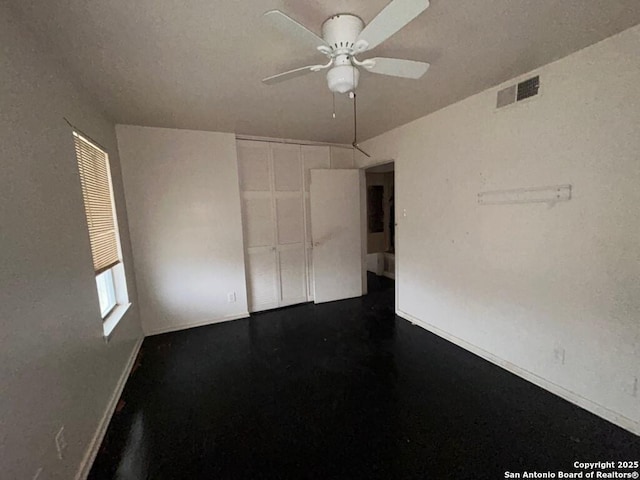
[(552, 194)]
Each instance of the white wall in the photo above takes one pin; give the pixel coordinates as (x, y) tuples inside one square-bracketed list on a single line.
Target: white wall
[(183, 201), (342, 157), (516, 282), (56, 368)]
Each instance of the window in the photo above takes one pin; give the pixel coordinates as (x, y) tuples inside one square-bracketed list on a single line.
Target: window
[(102, 223), (106, 292)]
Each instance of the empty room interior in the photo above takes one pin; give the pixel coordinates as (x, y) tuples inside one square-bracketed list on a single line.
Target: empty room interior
[(284, 239)]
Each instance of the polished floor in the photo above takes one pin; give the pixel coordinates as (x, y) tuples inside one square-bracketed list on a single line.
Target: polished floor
[(344, 390)]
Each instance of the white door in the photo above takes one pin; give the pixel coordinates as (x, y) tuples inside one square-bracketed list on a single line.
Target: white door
[(313, 157), (273, 218), (255, 172), (336, 234), (289, 222)]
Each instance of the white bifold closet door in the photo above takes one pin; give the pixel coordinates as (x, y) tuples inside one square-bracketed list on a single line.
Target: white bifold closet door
[(276, 232), (255, 173), (313, 157), (289, 223)]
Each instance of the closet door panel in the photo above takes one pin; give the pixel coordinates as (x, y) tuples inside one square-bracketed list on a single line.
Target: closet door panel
[(307, 223), (293, 282), (290, 229), (254, 172), (314, 157), (286, 168), (262, 279), (258, 222), (290, 220), (310, 286), (253, 167)]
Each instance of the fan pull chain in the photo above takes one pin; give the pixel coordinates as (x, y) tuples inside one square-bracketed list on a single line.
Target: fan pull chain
[(334, 105)]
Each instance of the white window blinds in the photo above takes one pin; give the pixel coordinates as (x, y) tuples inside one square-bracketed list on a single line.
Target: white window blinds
[(95, 176)]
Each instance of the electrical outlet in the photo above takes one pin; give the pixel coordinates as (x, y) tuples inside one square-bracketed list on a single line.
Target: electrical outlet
[(61, 443), (231, 297), (558, 355)]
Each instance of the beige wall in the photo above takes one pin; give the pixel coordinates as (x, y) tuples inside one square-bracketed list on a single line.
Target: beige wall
[(517, 283), (183, 200), (56, 368), (342, 157)]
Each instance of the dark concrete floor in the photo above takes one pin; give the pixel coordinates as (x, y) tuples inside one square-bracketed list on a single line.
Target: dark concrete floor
[(344, 390)]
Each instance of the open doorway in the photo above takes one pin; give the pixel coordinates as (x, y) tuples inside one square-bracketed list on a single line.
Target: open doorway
[(380, 227)]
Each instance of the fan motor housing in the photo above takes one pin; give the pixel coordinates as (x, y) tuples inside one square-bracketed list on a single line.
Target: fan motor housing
[(341, 31)]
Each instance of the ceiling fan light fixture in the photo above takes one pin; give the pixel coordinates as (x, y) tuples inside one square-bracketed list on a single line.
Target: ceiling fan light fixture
[(343, 78)]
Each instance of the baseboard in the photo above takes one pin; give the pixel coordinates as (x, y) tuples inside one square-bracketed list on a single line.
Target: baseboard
[(176, 328), (595, 408), (96, 441)]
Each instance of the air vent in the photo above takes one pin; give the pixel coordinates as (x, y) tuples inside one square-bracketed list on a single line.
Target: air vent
[(528, 88), (516, 93)]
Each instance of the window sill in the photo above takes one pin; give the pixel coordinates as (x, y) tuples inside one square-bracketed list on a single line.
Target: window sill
[(111, 322)]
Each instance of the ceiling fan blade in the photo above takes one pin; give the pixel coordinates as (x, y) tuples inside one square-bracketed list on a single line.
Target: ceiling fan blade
[(293, 29), (357, 147), (391, 19), (397, 67), (281, 77)]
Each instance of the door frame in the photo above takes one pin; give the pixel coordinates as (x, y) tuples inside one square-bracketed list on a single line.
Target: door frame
[(363, 203)]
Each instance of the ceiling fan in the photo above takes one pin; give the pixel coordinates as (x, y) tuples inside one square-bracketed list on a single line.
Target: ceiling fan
[(344, 36)]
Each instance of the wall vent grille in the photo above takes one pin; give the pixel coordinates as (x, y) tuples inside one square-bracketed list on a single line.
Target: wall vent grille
[(528, 88), (516, 93)]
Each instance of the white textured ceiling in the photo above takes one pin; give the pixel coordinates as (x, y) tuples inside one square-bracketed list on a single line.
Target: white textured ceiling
[(197, 64)]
